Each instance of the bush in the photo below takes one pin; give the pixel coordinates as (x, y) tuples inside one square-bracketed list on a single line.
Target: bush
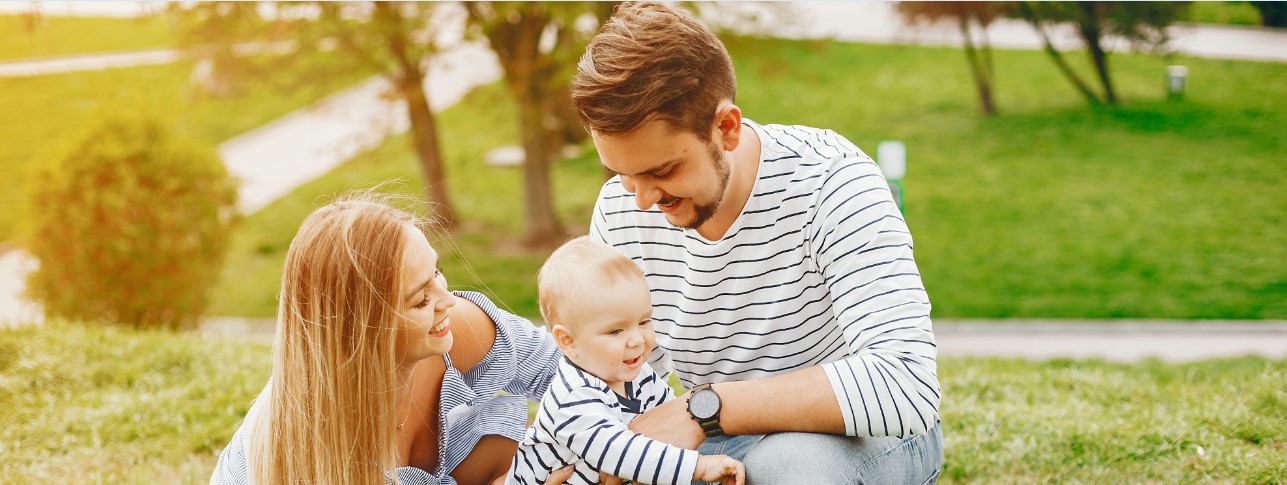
[(129, 227)]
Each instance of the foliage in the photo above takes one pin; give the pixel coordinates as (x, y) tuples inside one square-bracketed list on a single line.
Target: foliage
[(87, 404), (538, 45), (1229, 13), (1143, 24), (969, 18), (1153, 210), (393, 38), (1272, 14), (130, 226)]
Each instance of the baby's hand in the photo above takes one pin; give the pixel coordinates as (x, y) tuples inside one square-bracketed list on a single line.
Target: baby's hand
[(719, 468)]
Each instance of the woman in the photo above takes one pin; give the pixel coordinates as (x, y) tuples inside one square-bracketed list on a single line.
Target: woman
[(379, 373)]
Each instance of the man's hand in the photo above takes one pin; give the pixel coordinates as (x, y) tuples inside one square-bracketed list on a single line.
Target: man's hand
[(719, 468), (670, 423)]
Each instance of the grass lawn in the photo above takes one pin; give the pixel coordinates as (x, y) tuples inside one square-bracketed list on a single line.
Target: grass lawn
[(44, 114), (89, 404), (1151, 209), (62, 36)]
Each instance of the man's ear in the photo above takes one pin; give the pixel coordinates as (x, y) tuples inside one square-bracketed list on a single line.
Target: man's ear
[(564, 339), (728, 125)]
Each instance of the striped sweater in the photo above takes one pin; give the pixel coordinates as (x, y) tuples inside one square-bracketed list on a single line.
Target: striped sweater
[(816, 270), (582, 421)]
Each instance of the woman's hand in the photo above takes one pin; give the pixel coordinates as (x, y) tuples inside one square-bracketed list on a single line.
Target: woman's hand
[(560, 475), (719, 468)]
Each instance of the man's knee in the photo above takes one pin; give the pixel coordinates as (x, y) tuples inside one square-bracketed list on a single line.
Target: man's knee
[(807, 458)]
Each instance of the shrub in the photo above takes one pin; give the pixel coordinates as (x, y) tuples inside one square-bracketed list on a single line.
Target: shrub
[(130, 226)]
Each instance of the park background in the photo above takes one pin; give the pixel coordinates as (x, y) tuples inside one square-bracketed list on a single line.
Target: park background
[(1056, 207)]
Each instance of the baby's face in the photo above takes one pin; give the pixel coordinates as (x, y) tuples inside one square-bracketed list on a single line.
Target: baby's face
[(612, 331)]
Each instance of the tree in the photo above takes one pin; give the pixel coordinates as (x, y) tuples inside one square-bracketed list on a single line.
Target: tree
[(969, 17), (538, 44), (392, 38), (1143, 24)]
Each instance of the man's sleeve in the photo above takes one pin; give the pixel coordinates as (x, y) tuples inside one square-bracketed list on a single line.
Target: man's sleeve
[(587, 426), (888, 386)]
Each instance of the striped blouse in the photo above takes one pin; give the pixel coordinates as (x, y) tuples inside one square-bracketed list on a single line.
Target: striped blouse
[(583, 421), (817, 270), (521, 362)]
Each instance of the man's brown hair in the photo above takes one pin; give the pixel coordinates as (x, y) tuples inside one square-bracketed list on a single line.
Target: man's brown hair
[(651, 61)]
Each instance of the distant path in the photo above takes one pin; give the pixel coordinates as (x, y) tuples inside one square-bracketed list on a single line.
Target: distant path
[(877, 22), (93, 62), (1112, 340)]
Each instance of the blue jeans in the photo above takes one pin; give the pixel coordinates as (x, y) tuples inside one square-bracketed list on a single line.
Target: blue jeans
[(823, 459)]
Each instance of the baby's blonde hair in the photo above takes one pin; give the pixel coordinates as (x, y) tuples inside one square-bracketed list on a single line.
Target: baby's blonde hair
[(577, 268)]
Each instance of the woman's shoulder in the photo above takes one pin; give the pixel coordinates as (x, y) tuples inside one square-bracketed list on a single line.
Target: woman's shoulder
[(474, 329)]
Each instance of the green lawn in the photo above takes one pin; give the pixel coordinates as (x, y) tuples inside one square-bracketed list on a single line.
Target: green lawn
[(62, 36), (43, 114), (1152, 209), (93, 405)]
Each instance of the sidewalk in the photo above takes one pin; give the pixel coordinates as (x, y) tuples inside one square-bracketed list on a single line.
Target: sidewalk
[(877, 22), (1112, 340)]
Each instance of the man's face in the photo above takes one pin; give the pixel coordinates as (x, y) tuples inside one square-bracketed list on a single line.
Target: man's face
[(672, 169)]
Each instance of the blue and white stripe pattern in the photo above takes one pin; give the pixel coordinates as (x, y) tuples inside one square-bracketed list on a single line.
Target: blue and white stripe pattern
[(521, 362), (817, 270), (583, 421)]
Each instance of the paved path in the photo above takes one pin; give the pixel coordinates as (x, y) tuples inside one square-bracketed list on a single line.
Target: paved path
[(1112, 340), (876, 22), (1115, 340)]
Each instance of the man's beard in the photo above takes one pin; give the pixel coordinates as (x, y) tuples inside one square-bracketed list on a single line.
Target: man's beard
[(703, 212)]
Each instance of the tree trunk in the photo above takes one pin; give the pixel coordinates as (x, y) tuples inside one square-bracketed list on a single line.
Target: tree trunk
[(1055, 56), (409, 81), (1091, 17), (543, 227), (424, 139), (982, 78)]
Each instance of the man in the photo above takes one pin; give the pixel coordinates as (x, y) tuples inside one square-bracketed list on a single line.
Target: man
[(781, 270)]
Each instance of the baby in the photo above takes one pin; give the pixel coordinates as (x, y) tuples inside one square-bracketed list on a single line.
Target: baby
[(596, 303)]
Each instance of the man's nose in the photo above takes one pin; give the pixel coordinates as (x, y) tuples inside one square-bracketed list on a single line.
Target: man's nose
[(646, 194)]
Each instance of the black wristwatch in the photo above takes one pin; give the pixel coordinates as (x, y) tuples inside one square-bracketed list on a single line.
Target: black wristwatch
[(704, 406)]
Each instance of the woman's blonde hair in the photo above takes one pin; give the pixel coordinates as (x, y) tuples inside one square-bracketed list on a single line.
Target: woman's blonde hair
[(330, 416), (576, 269)]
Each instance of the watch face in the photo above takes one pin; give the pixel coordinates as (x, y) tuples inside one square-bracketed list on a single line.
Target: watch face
[(704, 404)]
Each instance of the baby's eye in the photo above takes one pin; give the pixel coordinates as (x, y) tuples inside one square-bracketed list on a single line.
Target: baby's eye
[(615, 331), (645, 323)]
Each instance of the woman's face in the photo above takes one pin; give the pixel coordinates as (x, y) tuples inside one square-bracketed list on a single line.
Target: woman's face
[(425, 330)]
